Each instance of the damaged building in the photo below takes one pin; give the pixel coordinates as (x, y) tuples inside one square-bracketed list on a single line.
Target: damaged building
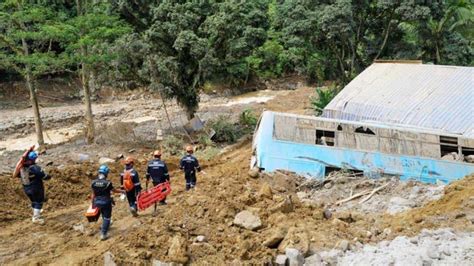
[(410, 120)]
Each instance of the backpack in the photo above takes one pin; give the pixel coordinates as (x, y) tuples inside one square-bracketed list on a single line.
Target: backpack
[(127, 180)]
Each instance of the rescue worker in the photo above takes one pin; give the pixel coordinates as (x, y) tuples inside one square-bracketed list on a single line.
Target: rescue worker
[(131, 185), (189, 164), (32, 177), (102, 198), (158, 171)]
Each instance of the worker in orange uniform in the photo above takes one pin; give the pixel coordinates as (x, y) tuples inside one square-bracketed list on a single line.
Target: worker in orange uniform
[(130, 182)]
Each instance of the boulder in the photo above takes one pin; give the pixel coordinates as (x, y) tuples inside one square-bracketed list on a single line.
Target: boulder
[(201, 238), (254, 172), (265, 191), (314, 260), (274, 238), (105, 160), (281, 260), (286, 206), (469, 158), (295, 258), (344, 245), (297, 237), (247, 220), (177, 251)]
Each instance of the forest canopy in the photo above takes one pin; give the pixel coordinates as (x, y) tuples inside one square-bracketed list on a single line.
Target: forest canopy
[(175, 47)]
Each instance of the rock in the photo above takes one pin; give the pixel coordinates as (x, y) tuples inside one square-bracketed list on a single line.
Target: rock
[(275, 238), (78, 227), (286, 206), (344, 216), (254, 172), (295, 258), (281, 260), (398, 204), (105, 160), (469, 158), (344, 245), (201, 238), (160, 263), (247, 220), (118, 157), (297, 237), (453, 156), (314, 260), (328, 185), (109, 259), (427, 263), (327, 214), (177, 250), (265, 191), (330, 257), (82, 157)]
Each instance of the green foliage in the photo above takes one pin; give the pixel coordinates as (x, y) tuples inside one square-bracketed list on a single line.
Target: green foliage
[(225, 130), (28, 32), (173, 144), (208, 153), (324, 96), (180, 47), (248, 119)]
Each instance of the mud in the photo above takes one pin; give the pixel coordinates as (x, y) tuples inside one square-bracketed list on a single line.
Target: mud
[(224, 188)]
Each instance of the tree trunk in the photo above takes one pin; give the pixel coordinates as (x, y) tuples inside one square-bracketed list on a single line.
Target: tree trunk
[(33, 98), (90, 131), (36, 112), (190, 113), (438, 56)]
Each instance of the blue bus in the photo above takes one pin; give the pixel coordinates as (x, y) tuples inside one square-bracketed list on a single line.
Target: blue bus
[(314, 146)]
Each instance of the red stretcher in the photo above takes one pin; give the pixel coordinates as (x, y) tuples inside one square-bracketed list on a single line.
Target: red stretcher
[(21, 161), (149, 197)]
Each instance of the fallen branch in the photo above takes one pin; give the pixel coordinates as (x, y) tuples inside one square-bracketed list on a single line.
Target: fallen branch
[(373, 192), (358, 195)]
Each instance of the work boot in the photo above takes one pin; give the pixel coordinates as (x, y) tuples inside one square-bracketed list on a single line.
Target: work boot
[(37, 219), (133, 211), (103, 236), (163, 202)]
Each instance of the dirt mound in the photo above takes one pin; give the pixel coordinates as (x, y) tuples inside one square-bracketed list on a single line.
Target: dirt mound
[(454, 209)]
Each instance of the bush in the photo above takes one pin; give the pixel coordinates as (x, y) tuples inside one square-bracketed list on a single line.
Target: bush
[(225, 130), (172, 144), (248, 119), (324, 96)]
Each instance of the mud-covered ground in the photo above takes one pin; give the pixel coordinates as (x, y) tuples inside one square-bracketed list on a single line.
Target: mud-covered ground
[(293, 212)]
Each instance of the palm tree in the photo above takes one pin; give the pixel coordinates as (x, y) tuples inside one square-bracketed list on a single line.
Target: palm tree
[(459, 15)]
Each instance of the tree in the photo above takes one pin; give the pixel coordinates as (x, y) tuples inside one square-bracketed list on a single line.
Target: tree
[(458, 13), (92, 30), (28, 32), (191, 42)]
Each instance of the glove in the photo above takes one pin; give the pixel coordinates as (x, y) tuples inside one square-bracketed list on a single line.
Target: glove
[(47, 177), (122, 197)]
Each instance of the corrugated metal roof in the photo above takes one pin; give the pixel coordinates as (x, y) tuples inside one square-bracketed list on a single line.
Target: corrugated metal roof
[(422, 96)]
